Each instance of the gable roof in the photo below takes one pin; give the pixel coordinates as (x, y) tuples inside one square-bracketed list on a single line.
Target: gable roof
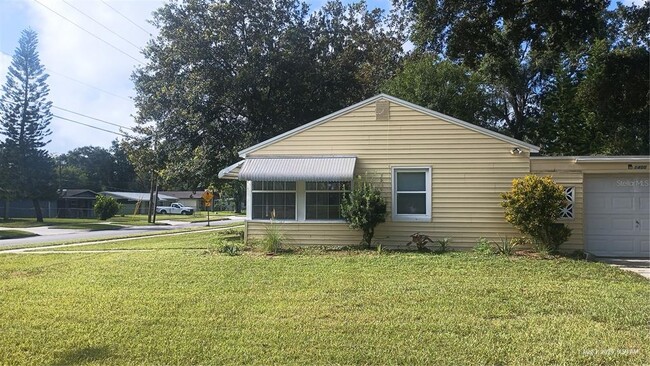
[(398, 101), (77, 193)]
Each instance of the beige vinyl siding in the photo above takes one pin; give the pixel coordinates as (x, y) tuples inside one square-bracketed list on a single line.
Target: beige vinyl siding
[(308, 234), (469, 170)]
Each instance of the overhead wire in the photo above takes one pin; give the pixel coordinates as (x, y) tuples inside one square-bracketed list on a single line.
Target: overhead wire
[(89, 32), (125, 17), (102, 25), (91, 126), (93, 118), (54, 72), (87, 85)]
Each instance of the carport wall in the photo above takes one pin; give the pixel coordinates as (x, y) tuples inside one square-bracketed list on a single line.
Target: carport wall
[(572, 171)]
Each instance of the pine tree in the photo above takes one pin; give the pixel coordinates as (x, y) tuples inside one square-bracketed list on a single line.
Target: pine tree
[(24, 122)]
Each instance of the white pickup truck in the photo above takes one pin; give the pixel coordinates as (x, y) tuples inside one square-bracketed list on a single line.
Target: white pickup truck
[(175, 209)]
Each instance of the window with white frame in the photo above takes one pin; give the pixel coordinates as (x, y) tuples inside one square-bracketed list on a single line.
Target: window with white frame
[(274, 200), (566, 212), (323, 200), (412, 193)]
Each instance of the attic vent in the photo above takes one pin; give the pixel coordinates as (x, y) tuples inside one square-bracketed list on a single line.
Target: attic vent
[(382, 110)]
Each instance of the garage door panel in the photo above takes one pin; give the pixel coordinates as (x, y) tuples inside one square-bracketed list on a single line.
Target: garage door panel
[(644, 247), (612, 245), (617, 215), (622, 204)]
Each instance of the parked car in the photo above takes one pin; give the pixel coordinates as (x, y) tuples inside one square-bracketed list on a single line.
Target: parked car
[(175, 209)]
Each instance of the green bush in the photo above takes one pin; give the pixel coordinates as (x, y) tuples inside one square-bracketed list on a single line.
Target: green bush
[(532, 206), (483, 246), (105, 207), (444, 244), (364, 208)]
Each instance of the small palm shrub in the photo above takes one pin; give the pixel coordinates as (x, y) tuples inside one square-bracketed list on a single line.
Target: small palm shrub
[(105, 207), (444, 244), (506, 246)]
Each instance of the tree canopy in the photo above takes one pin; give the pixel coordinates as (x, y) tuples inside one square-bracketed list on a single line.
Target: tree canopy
[(224, 75), (569, 76)]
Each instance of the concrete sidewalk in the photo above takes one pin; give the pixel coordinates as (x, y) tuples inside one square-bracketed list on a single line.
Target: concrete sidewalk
[(636, 265)]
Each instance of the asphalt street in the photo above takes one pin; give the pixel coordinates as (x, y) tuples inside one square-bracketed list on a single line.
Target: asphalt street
[(49, 235)]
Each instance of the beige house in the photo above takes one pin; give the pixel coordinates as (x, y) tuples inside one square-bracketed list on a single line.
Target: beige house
[(439, 175)]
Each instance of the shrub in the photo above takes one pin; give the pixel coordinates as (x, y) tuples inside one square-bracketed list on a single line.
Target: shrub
[(507, 246), (483, 246), (221, 245), (364, 208), (532, 206), (420, 241), (105, 207), (444, 243)]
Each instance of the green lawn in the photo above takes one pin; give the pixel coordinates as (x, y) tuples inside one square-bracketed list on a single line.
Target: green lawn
[(15, 234), (186, 307), (185, 241)]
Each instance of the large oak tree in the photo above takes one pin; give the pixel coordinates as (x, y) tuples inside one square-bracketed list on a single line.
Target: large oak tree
[(223, 75)]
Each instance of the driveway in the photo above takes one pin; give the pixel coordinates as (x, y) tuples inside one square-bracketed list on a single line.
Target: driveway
[(47, 235), (638, 265)]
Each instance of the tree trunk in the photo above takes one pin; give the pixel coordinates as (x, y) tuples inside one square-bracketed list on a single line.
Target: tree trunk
[(367, 237), (37, 211)]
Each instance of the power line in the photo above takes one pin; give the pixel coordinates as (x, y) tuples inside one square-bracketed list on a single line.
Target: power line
[(102, 25), (89, 32), (91, 126), (125, 17), (79, 81), (88, 85), (93, 118)]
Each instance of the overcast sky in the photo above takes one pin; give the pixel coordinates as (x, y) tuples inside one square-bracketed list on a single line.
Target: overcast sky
[(88, 75)]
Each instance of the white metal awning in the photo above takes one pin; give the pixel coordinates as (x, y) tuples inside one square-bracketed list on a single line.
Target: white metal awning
[(319, 169), (232, 171)]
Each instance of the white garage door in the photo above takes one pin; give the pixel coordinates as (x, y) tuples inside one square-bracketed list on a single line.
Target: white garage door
[(617, 215)]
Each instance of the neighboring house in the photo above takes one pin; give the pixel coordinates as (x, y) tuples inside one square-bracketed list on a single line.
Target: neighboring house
[(76, 203), (188, 198), (134, 203), (439, 175)]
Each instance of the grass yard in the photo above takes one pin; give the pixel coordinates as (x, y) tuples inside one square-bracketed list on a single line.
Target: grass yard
[(15, 234), (186, 307)]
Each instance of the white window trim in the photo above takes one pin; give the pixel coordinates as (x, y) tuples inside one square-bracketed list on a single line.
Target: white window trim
[(411, 169)]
